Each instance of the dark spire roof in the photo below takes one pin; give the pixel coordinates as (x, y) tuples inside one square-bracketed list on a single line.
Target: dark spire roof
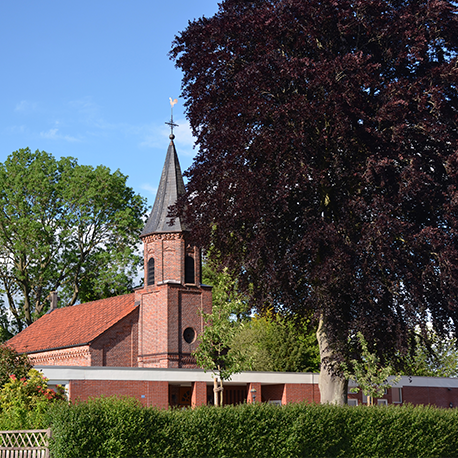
[(170, 187)]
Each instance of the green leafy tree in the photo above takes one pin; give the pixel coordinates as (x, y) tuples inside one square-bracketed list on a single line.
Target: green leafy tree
[(276, 343), (64, 227), (433, 357), (371, 376), (327, 171), (215, 352), (12, 363), (5, 332)]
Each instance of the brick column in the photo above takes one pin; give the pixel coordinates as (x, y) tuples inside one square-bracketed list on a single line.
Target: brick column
[(199, 394), (257, 387)]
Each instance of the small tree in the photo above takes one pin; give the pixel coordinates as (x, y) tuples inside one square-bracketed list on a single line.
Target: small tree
[(214, 352), (12, 363), (369, 374)]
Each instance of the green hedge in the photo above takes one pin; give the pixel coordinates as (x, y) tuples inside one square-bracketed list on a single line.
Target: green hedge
[(110, 427)]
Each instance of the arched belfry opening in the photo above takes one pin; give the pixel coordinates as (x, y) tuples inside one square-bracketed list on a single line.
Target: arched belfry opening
[(173, 298), (150, 272), (189, 269)]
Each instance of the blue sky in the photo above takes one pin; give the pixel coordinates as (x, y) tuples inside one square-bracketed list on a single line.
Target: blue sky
[(92, 80)]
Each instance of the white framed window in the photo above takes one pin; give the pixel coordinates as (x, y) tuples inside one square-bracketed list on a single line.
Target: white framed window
[(382, 402), (396, 394), (352, 402)]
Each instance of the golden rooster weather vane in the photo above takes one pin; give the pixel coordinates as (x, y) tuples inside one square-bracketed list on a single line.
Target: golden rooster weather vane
[(171, 123)]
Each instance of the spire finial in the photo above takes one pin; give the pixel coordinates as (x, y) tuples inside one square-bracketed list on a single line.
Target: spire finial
[(171, 123)]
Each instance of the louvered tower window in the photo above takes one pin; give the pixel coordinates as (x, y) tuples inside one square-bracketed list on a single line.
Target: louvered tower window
[(150, 279), (189, 275)]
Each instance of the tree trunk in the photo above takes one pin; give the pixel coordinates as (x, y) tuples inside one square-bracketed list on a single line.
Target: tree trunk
[(215, 392), (221, 389), (333, 388), (218, 391)]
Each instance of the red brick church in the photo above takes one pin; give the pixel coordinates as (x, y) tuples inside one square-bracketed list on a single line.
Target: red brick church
[(141, 344), (155, 326)]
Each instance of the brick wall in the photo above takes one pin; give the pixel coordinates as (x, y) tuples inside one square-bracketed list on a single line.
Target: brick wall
[(118, 345), (148, 393), (168, 309), (438, 396), (168, 251), (74, 356), (300, 392)]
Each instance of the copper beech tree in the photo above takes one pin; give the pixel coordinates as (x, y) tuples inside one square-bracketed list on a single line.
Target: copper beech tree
[(326, 173)]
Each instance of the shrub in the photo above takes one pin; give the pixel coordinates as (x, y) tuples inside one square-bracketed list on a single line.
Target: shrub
[(12, 363), (24, 401), (111, 427)]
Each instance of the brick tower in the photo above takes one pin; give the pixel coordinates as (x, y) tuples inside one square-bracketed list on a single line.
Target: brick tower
[(173, 296)]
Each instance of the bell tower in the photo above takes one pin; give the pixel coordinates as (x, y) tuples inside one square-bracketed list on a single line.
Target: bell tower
[(173, 297)]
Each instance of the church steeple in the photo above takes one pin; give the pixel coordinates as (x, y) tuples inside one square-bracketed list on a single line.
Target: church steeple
[(173, 297), (170, 188)]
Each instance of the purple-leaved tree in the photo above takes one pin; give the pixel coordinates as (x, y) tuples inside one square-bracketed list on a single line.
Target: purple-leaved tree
[(326, 175)]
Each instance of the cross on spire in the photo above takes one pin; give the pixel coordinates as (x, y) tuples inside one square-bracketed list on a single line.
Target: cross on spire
[(171, 123)]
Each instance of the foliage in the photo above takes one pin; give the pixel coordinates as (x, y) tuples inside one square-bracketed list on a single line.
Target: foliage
[(235, 341), (12, 363), (108, 427), (214, 352), (433, 357), (120, 428), (64, 227), (24, 401), (276, 343), (327, 168), (372, 378)]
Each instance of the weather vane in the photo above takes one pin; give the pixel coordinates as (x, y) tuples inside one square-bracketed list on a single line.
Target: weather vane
[(171, 123)]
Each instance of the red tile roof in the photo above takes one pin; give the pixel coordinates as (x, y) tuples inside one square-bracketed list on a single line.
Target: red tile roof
[(70, 326)]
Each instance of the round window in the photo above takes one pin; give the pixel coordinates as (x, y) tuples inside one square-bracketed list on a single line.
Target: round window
[(189, 335)]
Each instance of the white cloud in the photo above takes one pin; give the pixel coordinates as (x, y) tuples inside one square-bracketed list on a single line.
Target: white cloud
[(149, 188), (85, 106), (25, 106), (53, 134), (16, 129)]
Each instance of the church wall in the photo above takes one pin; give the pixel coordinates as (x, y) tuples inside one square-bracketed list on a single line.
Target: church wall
[(166, 311), (73, 356), (192, 301), (168, 251), (118, 346), (152, 339), (149, 393), (173, 325)]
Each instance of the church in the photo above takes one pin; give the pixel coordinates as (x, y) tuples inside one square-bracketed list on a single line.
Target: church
[(141, 344), (156, 325)]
